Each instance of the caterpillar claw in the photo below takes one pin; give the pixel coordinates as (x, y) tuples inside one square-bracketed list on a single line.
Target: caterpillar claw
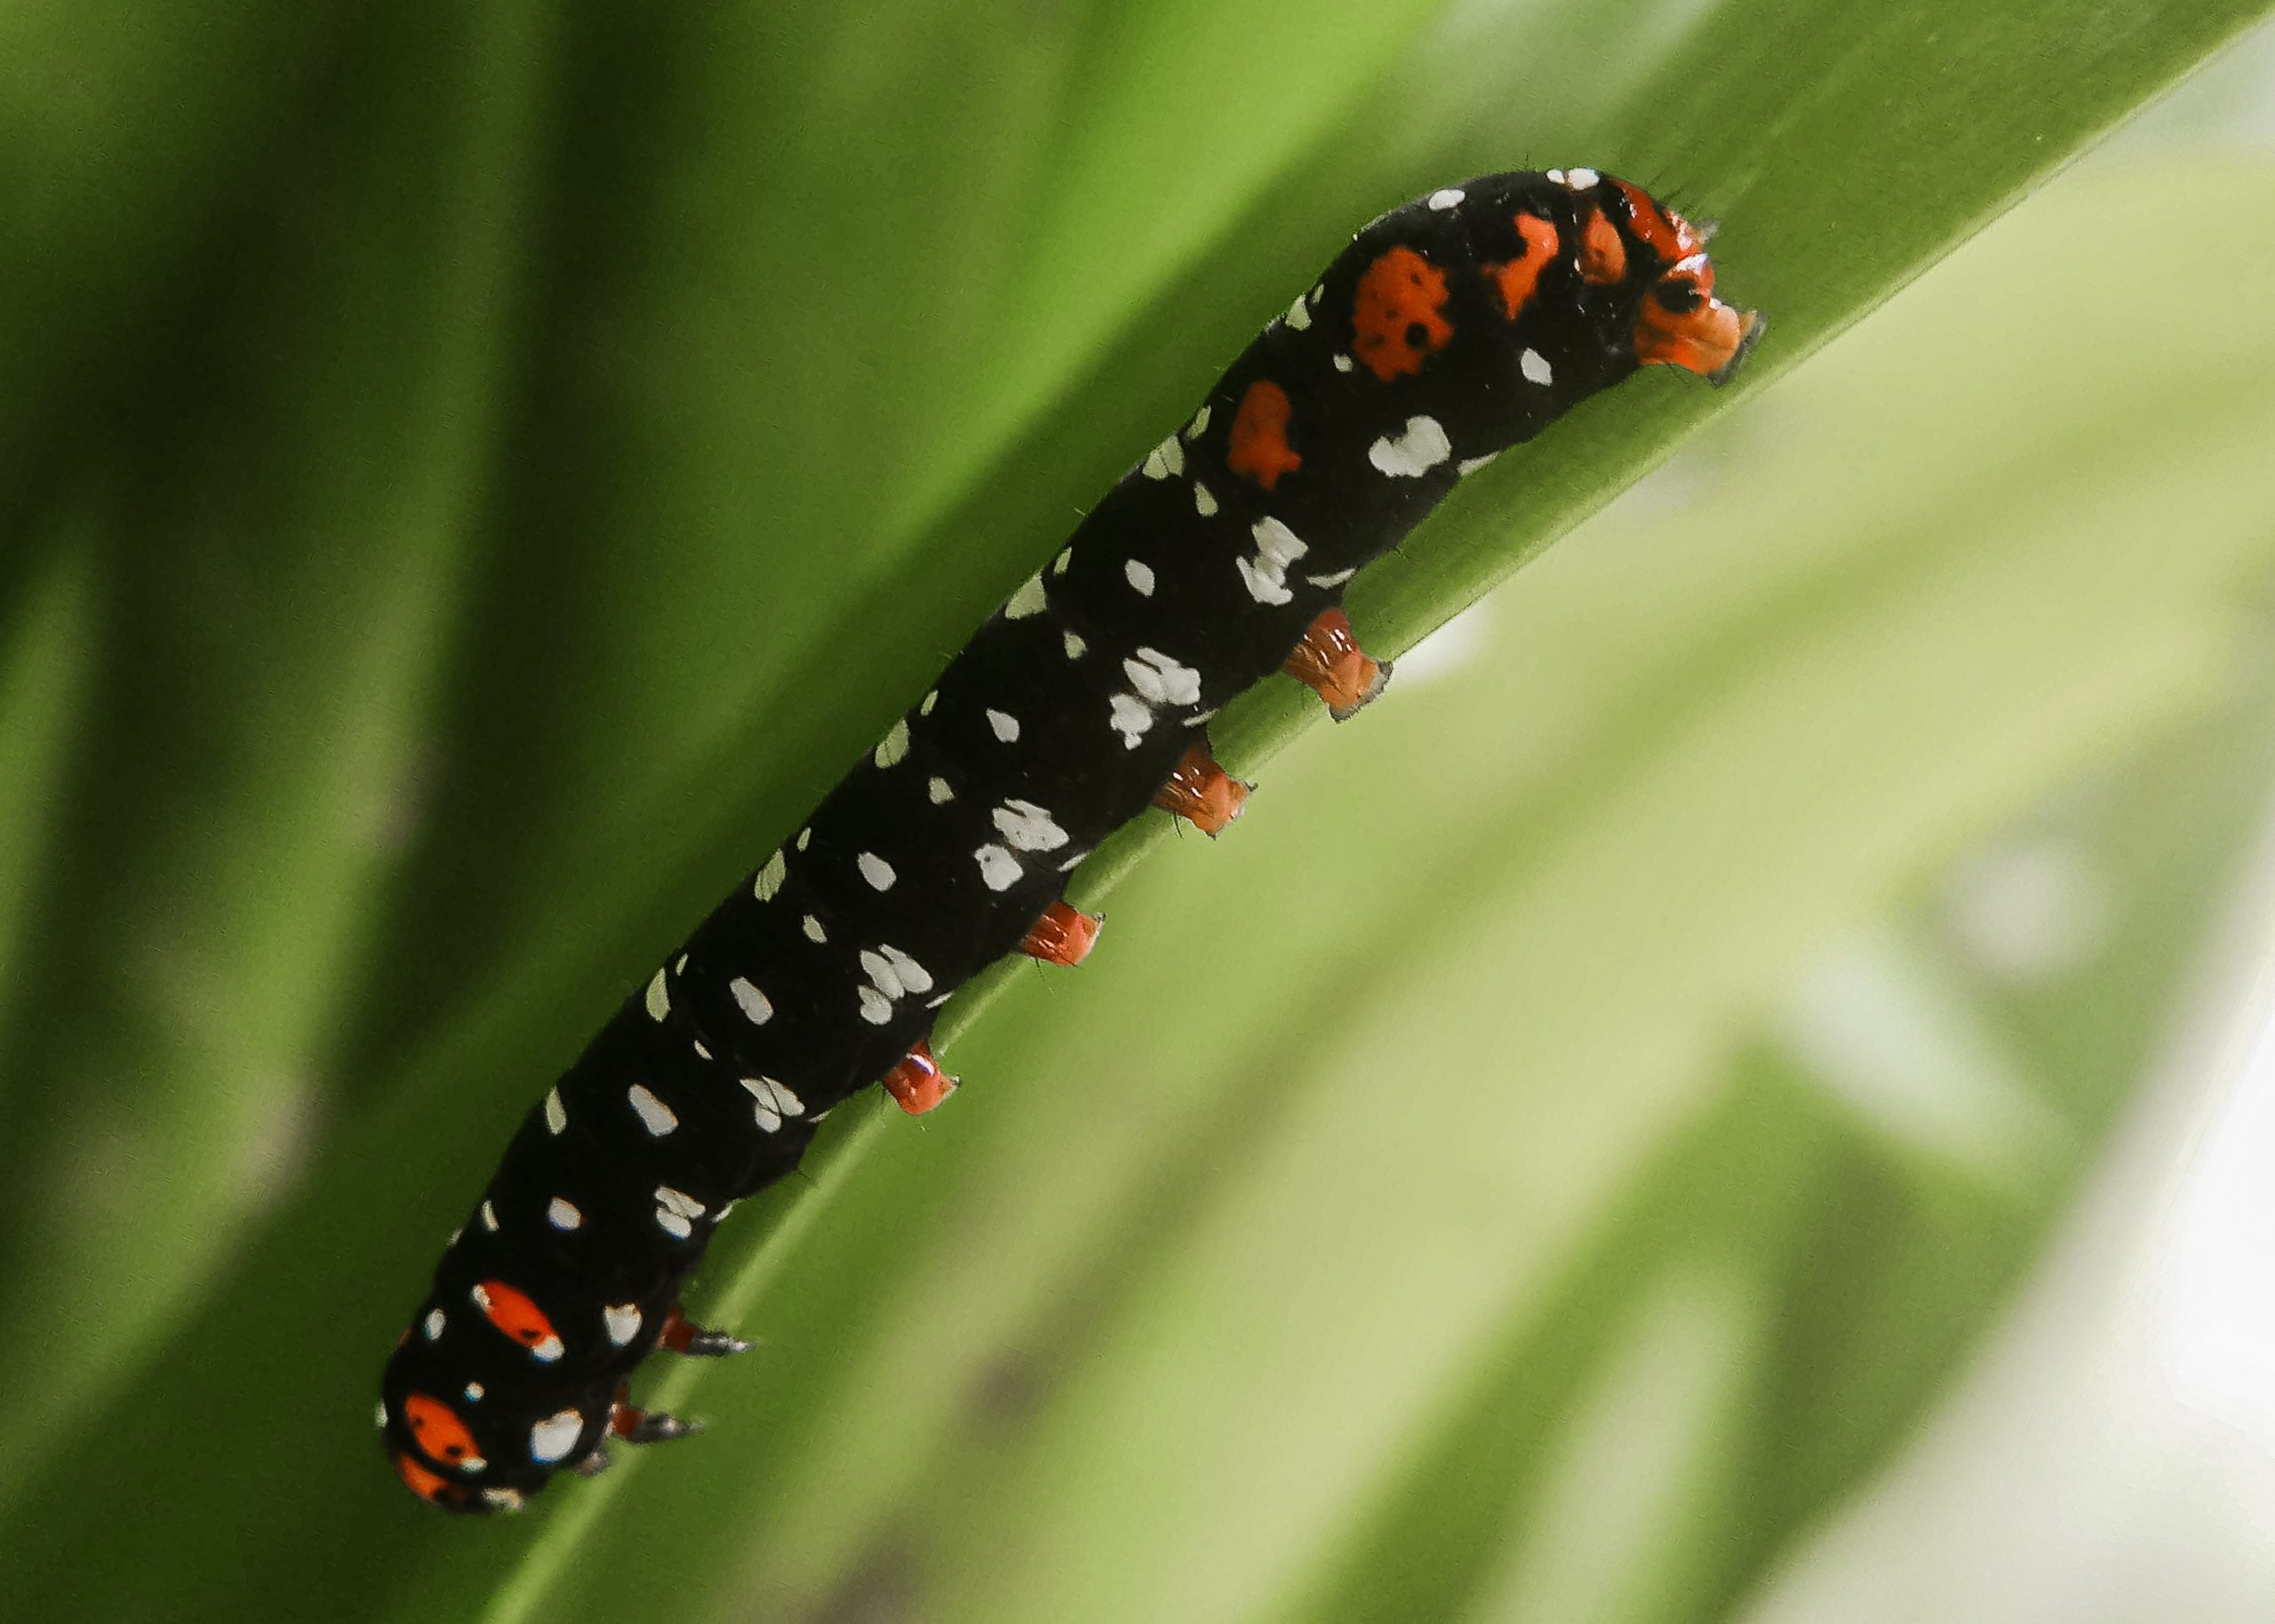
[(1062, 936), (917, 1084), (1201, 793), (1330, 662)]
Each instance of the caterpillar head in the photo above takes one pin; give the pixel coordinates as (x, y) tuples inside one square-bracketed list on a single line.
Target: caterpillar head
[(1629, 238)]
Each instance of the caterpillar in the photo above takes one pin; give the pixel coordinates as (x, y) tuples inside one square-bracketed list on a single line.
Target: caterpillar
[(1450, 329)]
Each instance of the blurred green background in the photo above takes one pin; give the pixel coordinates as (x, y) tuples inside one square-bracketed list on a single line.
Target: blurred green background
[(1731, 1093)]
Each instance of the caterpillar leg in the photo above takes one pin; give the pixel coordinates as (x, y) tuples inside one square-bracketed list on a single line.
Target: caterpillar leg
[(1330, 662), (637, 1426), (683, 1335), (917, 1084), (1201, 793), (1062, 936)]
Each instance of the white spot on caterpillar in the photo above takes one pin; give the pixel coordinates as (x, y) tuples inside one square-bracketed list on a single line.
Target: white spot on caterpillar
[(876, 871), (774, 1102), (1414, 453), (1199, 719), (806, 836), (1165, 459), (1299, 315), (1203, 503), (1066, 557), (431, 1325), (1074, 646), (876, 1008), (1557, 175), (657, 1118), (1468, 466), (812, 928), (1579, 179), (1072, 863), (757, 1008), (1161, 679), (1004, 727), (1343, 363), (563, 1215), (770, 876), (677, 1211), (1200, 424), (659, 1000), (1025, 827), (379, 1415), (622, 1321), (924, 708), (697, 1045), (1535, 366), (489, 1217), (929, 1003), (913, 975), (1267, 574), (556, 1114), (503, 1500), (1029, 599), (1446, 198), (1336, 579), (939, 792), (997, 867), (1128, 715), (895, 744), (678, 1201), (1139, 576), (679, 965), (473, 1390), (552, 1439), (895, 973)]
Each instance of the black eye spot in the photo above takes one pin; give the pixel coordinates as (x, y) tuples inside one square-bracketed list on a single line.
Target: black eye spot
[(1417, 336), (1678, 297)]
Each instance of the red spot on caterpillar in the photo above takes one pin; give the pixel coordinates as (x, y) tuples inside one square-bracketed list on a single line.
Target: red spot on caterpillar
[(917, 1084), (1258, 446), (439, 1431), (1330, 662), (513, 1312), (1394, 318), (1062, 936), (1516, 279), (1603, 257), (1201, 793), (427, 1485)]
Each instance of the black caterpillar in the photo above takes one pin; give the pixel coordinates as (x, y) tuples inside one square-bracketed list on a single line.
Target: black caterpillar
[(1450, 329)]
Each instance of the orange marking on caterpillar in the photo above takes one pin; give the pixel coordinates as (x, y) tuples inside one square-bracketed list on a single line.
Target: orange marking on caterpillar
[(1330, 662), (917, 1084), (427, 1485), (441, 1434), (1516, 279), (1395, 320), (1603, 256), (513, 1312), (1062, 936), (1681, 324), (1258, 446), (1201, 793)]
